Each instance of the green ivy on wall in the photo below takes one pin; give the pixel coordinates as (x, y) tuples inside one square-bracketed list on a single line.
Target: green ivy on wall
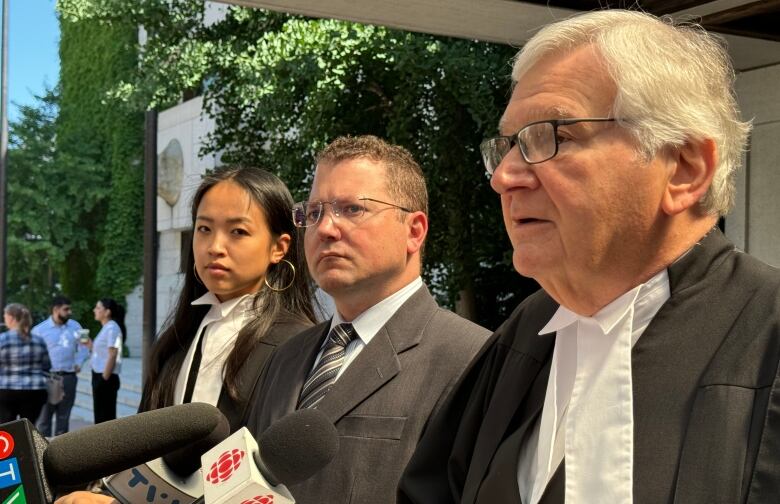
[(107, 260)]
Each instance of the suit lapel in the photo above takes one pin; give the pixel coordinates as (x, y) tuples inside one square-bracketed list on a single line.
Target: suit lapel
[(293, 369), (376, 365), (378, 362)]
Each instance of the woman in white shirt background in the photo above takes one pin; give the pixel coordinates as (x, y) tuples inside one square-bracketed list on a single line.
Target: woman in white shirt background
[(106, 358)]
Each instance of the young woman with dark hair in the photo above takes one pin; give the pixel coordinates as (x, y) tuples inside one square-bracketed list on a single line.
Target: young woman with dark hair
[(246, 290), (23, 360), (106, 358)]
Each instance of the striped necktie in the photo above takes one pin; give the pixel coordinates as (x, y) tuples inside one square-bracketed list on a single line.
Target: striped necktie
[(324, 374)]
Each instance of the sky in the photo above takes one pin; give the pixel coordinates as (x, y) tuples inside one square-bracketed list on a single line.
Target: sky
[(33, 58)]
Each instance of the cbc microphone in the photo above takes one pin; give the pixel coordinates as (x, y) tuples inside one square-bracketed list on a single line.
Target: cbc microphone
[(31, 467), (290, 451), (174, 478)]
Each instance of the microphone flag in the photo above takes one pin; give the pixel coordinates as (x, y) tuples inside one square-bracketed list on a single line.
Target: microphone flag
[(21, 464)]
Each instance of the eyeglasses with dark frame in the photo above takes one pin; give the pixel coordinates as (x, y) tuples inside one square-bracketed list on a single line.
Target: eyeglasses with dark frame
[(309, 213), (538, 142)]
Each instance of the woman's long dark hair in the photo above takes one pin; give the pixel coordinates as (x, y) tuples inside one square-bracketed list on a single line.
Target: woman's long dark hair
[(117, 314), (170, 349)]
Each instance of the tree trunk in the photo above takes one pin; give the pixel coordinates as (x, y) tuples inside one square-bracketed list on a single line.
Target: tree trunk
[(466, 304)]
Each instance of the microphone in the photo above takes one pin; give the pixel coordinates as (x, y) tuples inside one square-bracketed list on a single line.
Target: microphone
[(290, 451), (31, 467), (21, 464), (175, 477)]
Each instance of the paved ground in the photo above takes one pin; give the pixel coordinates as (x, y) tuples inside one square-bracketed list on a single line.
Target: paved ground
[(127, 400)]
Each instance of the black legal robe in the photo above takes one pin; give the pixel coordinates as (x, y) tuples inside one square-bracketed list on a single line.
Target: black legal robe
[(706, 395)]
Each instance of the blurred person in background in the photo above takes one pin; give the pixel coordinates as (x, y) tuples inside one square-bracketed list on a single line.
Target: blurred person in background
[(61, 334), (106, 358), (23, 363)]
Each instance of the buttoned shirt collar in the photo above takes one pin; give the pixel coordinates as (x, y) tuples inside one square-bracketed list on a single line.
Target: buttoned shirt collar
[(647, 298), (219, 310), (226, 321), (368, 323), (543, 451)]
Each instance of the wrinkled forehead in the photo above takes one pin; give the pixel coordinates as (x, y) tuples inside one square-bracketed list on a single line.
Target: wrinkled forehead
[(561, 85), (533, 114)]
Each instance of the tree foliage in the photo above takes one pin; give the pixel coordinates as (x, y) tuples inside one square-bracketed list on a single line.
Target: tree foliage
[(75, 180), (47, 190), (281, 87)]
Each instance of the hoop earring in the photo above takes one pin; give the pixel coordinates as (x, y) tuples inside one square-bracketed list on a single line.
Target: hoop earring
[(195, 270), (292, 267)]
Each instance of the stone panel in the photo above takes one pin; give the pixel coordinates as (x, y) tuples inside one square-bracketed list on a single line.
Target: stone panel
[(763, 237)]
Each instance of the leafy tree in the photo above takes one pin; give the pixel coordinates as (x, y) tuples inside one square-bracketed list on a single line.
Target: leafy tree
[(46, 191), (281, 87)]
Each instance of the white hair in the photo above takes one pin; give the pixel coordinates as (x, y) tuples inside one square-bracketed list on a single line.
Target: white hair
[(675, 83)]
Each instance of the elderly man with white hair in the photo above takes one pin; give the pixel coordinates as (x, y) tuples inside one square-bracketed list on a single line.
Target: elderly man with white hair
[(646, 369)]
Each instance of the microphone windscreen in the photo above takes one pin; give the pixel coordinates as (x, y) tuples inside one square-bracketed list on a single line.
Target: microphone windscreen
[(298, 445), (110, 447), (186, 461)]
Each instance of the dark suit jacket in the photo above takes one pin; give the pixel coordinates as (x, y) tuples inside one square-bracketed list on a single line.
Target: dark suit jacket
[(706, 395), (381, 402), (285, 327)]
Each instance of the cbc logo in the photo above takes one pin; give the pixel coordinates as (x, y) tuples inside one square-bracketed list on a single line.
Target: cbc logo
[(223, 468), (260, 499)]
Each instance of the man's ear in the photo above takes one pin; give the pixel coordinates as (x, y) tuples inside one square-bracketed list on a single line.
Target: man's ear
[(693, 167), (418, 230)]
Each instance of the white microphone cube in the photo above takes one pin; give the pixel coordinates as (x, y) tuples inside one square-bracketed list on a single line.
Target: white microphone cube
[(230, 474)]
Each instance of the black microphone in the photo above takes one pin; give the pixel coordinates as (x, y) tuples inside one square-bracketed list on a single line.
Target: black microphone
[(21, 464), (175, 477), (290, 451), (31, 467)]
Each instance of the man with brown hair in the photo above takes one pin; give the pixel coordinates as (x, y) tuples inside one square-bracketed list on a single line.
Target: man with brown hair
[(390, 354)]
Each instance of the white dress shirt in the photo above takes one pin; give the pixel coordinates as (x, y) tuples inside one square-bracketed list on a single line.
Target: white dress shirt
[(588, 406), (368, 323), (110, 336), (224, 321)]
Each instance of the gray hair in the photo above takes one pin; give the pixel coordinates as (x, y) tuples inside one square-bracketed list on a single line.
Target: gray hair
[(675, 83)]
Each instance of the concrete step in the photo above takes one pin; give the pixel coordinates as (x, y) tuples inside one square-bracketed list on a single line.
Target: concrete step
[(127, 396)]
